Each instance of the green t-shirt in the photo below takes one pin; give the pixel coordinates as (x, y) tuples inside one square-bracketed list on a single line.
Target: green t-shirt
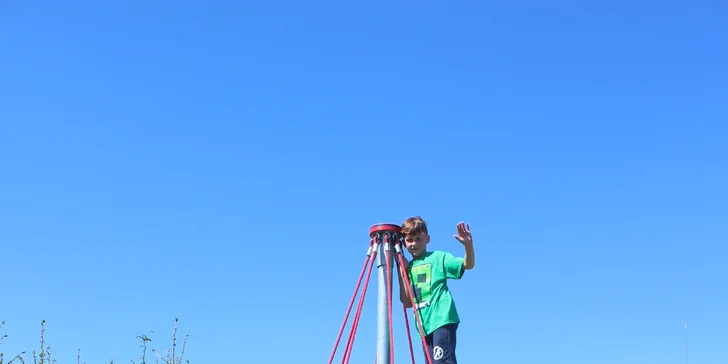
[(429, 275)]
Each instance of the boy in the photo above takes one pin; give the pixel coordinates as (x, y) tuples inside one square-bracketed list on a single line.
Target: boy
[(428, 273)]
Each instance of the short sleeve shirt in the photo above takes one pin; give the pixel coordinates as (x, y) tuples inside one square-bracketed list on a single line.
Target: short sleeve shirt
[(429, 275)]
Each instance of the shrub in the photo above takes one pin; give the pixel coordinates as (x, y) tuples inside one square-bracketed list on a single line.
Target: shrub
[(44, 355)]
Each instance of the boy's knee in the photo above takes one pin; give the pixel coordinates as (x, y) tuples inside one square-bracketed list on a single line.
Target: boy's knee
[(443, 354)]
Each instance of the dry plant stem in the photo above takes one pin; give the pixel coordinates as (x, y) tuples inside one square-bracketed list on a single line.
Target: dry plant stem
[(45, 351), (44, 356), (172, 359), (18, 357)]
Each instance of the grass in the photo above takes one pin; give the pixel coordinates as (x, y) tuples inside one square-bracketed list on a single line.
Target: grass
[(43, 356)]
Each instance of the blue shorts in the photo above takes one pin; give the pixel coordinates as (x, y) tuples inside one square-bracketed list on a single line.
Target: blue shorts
[(441, 344)]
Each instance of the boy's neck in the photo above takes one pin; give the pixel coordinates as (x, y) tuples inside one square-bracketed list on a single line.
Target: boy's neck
[(424, 254)]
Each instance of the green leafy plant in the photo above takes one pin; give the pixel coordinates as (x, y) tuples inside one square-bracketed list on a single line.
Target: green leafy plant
[(145, 339)]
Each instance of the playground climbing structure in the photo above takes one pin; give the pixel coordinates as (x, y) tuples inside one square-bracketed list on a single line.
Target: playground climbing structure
[(386, 249)]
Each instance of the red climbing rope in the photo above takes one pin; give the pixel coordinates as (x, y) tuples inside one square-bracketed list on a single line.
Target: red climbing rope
[(355, 324), (409, 336), (351, 303), (403, 266)]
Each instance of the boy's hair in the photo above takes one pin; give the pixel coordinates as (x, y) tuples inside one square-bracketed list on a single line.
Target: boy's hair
[(413, 226)]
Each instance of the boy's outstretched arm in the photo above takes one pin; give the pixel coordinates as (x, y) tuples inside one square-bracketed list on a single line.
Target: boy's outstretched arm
[(469, 261), (466, 238)]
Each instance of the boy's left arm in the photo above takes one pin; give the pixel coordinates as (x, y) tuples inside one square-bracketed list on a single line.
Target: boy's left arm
[(469, 259), (466, 238)]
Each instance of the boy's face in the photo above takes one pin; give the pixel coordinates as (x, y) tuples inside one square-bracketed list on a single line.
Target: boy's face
[(417, 244)]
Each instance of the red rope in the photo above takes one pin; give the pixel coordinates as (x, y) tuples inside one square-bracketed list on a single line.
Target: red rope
[(414, 307), (352, 334), (389, 300), (351, 303), (404, 309), (409, 336)]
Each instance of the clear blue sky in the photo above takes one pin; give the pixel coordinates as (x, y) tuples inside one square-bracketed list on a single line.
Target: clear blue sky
[(222, 163)]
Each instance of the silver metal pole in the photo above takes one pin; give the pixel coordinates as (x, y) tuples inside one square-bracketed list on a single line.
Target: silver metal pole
[(383, 339)]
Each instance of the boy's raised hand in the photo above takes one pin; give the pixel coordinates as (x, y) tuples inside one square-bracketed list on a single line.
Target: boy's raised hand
[(464, 236)]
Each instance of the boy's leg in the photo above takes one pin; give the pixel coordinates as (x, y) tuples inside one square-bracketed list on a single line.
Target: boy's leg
[(441, 344)]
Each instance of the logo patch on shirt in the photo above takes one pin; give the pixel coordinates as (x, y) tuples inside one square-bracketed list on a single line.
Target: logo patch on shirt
[(421, 278)]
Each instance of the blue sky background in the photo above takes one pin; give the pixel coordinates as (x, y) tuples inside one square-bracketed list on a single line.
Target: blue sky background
[(222, 163)]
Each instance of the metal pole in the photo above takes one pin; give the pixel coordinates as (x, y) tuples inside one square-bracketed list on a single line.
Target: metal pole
[(384, 232), (383, 339)]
